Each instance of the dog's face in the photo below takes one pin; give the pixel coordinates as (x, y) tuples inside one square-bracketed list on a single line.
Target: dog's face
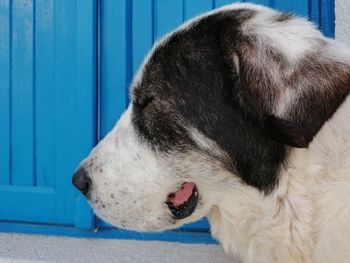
[(217, 106)]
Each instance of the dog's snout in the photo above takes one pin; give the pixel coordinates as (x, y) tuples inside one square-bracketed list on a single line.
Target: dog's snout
[(82, 181)]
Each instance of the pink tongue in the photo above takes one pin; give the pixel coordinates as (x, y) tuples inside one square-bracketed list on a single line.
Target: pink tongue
[(182, 195)]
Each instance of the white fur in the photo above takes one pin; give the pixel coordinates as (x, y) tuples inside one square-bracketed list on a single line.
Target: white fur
[(293, 39), (306, 219), (117, 184), (131, 182)]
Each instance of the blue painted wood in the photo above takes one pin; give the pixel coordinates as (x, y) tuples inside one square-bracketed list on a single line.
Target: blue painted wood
[(322, 13), (315, 8), (300, 7), (74, 98), (44, 96), (5, 93), (64, 104), (142, 31), (219, 3), (22, 93), (168, 15), (84, 216), (115, 61), (27, 204), (327, 20), (49, 112), (194, 8), (263, 2)]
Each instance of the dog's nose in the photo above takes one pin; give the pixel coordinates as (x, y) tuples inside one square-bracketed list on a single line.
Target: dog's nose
[(82, 181)]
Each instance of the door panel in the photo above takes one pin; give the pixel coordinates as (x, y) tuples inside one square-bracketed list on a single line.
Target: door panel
[(48, 106), (115, 61), (22, 103), (5, 93)]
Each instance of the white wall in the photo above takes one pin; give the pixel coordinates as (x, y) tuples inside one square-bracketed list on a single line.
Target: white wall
[(342, 21)]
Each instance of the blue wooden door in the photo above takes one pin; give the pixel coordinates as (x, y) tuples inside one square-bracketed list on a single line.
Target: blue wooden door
[(129, 29), (47, 108)]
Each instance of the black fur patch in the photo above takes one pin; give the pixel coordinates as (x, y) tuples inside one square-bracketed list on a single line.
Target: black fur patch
[(192, 80)]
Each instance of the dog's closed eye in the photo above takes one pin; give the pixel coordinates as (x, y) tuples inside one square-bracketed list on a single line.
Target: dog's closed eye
[(142, 103)]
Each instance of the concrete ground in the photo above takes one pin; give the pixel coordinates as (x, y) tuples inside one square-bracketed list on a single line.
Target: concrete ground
[(15, 248)]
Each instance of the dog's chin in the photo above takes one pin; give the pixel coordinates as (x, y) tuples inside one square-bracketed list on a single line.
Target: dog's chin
[(158, 224), (151, 228)]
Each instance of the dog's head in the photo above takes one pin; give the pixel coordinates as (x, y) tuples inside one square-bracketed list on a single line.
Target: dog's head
[(219, 103)]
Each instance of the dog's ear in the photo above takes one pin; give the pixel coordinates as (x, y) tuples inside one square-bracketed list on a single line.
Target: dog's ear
[(290, 76)]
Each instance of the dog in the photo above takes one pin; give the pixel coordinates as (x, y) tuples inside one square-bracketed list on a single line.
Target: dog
[(242, 115)]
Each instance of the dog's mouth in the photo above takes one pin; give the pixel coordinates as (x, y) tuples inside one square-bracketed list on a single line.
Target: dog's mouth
[(183, 201)]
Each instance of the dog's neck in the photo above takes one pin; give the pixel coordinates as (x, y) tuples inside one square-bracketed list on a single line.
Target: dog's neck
[(330, 147), (281, 225), (267, 228)]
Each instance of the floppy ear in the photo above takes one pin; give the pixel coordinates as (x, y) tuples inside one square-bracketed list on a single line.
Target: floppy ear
[(289, 74)]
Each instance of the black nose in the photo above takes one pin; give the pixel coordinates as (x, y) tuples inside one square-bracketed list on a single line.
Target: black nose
[(82, 181)]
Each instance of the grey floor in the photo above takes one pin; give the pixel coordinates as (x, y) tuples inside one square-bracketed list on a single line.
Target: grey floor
[(15, 248)]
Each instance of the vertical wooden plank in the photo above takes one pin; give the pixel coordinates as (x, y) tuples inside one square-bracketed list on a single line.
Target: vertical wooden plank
[(22, 93), (142, 31), (219, 3), (44, 92), (65, 113), (315, 11), (84, 216), (86, 86), (300, 7), (269, 3), (327, 17), (5, 60), (168, 16), (193, 8), (114, 62)]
